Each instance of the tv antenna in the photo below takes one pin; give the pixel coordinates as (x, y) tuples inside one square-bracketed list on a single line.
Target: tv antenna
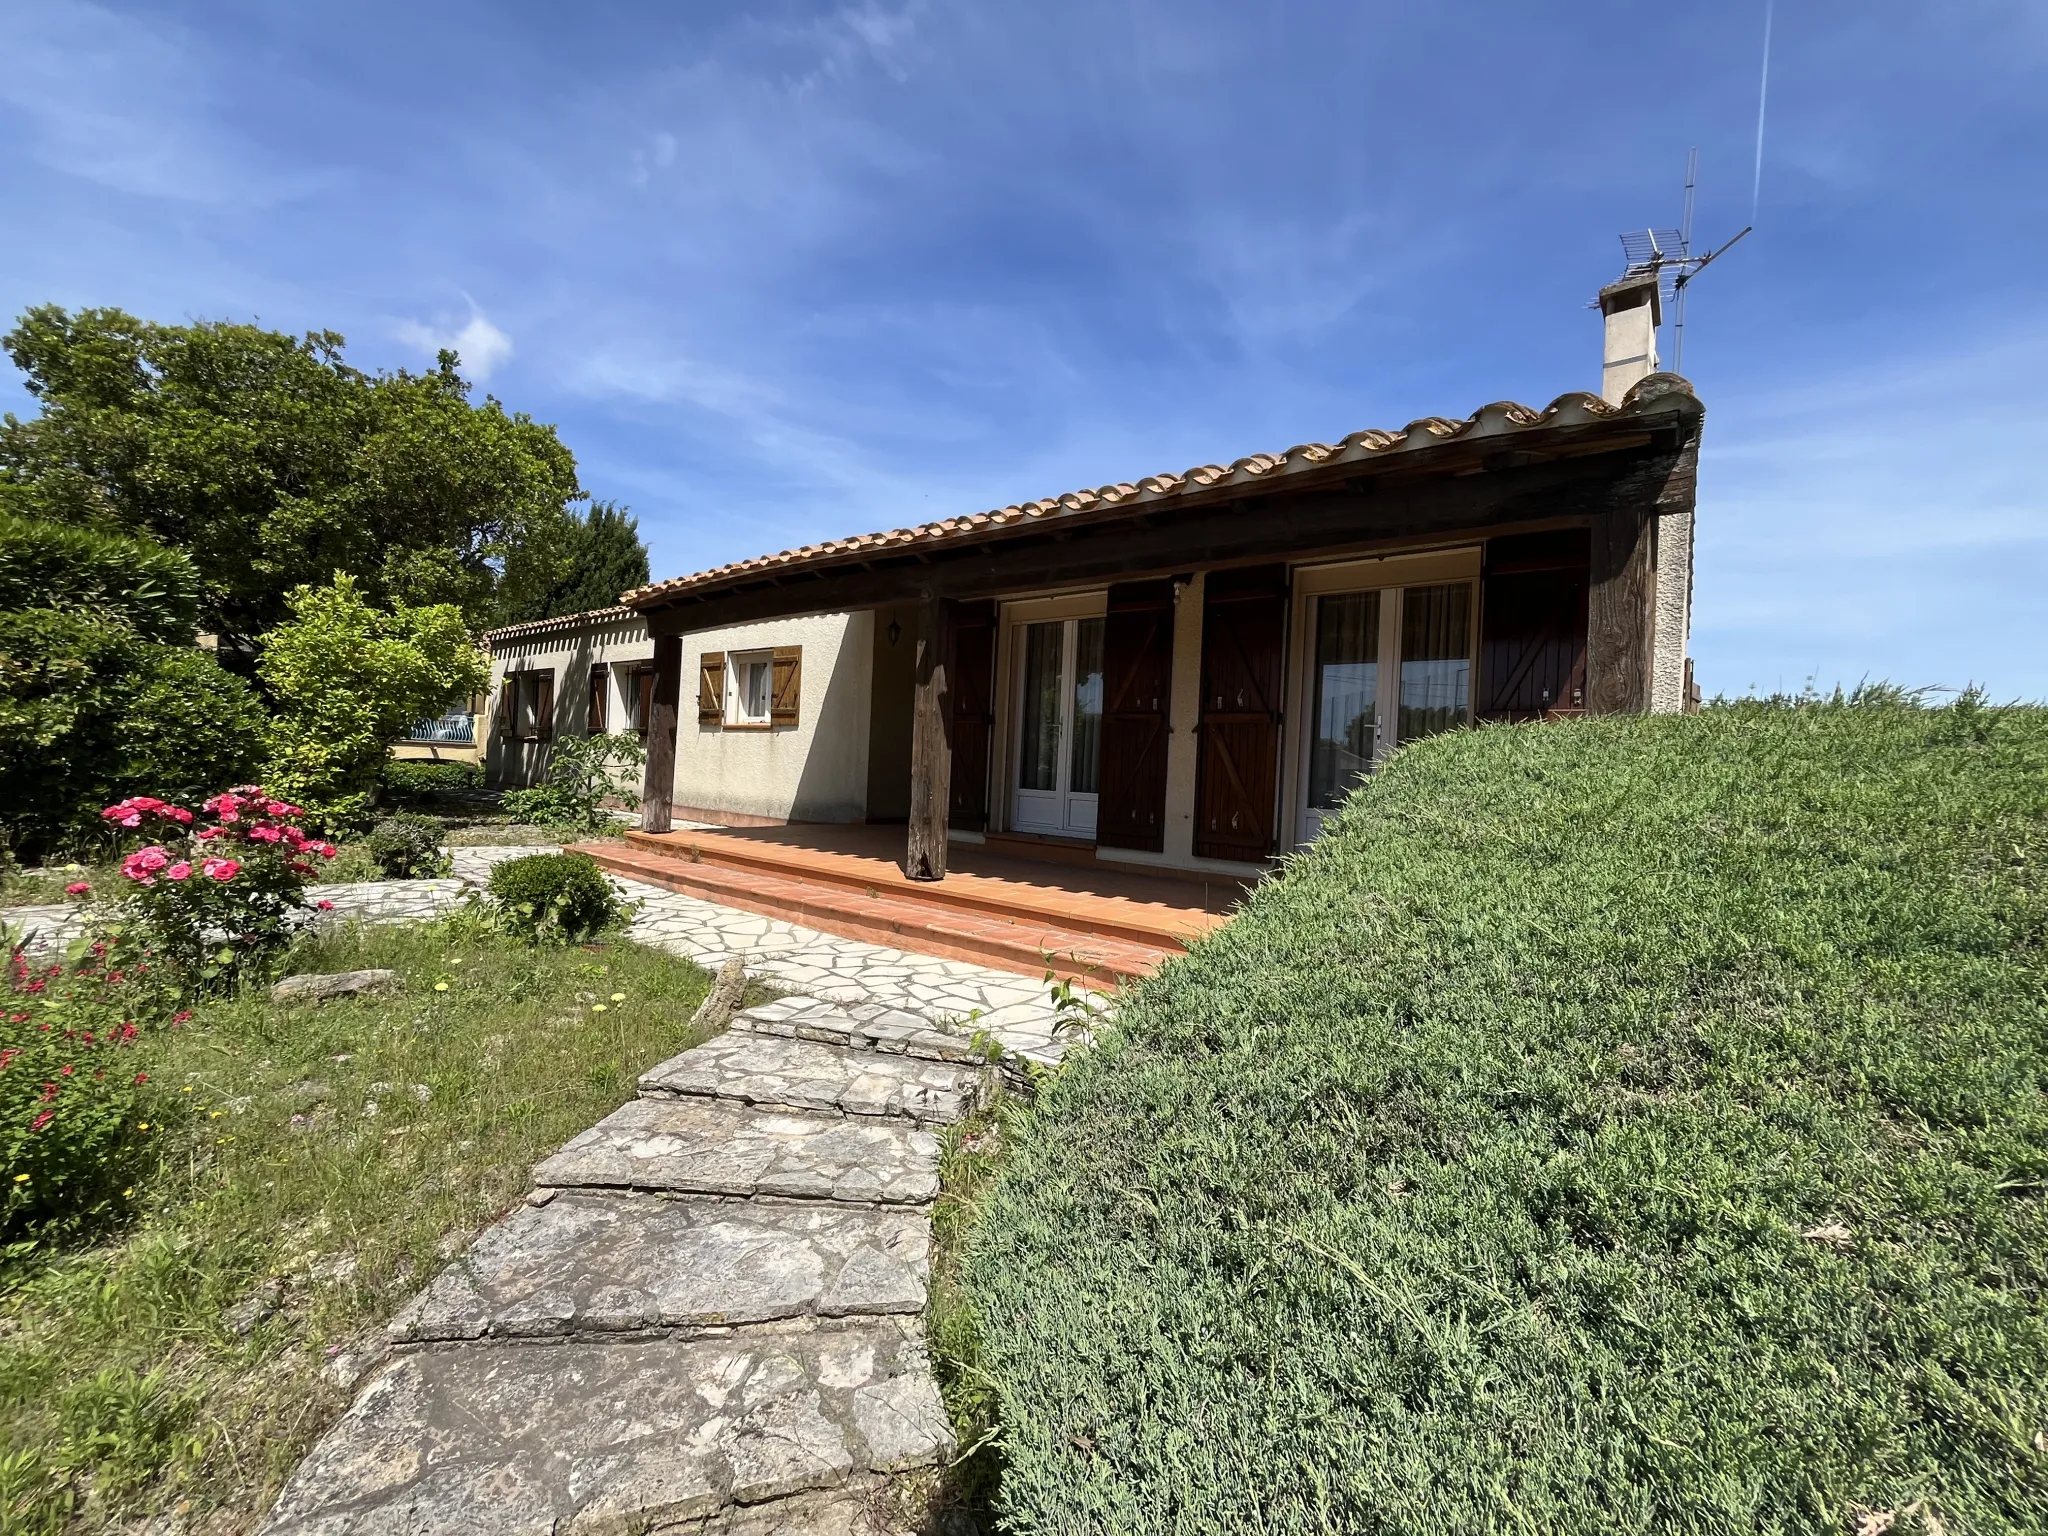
[(1666, 254)]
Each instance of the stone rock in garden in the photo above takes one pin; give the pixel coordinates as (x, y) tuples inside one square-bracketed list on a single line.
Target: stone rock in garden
[(624, 1434), (319, 989), (603, 1262), (708, 1146), (241, 1318), (790, 1073), (724, 996)]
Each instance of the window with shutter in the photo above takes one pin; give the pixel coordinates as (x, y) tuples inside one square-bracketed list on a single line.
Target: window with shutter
[(710, 688), (544, 705), (787, 686)]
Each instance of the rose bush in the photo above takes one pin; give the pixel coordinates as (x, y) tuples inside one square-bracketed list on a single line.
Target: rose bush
[(74, 1106), (220, 895)]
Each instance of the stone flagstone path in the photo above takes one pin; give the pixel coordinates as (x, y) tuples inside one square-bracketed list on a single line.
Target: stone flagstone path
[(706, 1318)]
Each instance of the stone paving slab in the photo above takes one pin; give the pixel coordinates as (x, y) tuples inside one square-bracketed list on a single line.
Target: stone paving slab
[(546, 1438), (612, 1262), (709, 1146), (865, 1027), (794, 1073)]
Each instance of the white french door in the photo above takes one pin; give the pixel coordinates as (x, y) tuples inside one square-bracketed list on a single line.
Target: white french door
[(1059, 727), (1385, 666)]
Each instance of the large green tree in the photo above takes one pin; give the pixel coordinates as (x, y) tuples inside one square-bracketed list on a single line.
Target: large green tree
[(605, 558), (274, 464)]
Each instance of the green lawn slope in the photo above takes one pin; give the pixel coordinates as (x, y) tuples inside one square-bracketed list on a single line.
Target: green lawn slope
[(1625, 1125)]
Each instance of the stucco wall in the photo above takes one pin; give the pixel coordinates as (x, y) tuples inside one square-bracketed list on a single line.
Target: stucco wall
[(815, 770), (1674, 613), (894, 694), (570, 654)]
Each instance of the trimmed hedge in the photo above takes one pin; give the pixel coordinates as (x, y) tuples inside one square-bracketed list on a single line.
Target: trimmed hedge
[(412, 779), (1626, 1125)]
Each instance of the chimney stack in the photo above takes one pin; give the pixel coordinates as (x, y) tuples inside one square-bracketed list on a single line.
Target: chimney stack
[(1632, 311)]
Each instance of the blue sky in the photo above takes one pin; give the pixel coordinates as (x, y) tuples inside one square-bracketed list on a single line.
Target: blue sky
[(783, 272)]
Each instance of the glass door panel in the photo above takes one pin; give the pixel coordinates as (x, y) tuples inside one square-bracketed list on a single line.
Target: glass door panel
[(1059, 735), (1345, 698), (1436, 659), (1038, 747)]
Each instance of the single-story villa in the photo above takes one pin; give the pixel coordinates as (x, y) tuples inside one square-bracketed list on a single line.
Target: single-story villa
[(1183, 673)]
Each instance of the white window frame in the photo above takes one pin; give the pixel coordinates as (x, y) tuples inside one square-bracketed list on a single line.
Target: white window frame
[(739, 666)]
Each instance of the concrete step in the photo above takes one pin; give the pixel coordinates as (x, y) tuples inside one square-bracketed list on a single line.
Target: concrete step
[(597, 1262), (808, 1075), (715, 1147), (1026, 947), (761, 1432), (1023, 900)]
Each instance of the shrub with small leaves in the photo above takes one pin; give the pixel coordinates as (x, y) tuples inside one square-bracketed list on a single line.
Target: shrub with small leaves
[(555, 897), (583, 772), (73, 1101), (407, 848), (406, 781)]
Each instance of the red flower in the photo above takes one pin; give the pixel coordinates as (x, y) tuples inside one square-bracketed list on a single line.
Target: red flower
[(222, 869), (67, 1071), (181, 1015), (77, 888), (42, 1120), (142, 1077), (326, 906), (178, 871)]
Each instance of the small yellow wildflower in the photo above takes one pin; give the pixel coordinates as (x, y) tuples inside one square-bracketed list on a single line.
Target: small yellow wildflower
[(186, 1089), (597, 1007), (143, 1126), (21, 1178), (440, 986), (618, 997)]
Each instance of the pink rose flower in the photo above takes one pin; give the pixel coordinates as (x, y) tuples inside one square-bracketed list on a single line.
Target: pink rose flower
[(221, 869), (263, 832), (326, 906), (208, 834), (325, 850), (178, 871), (77, 888)]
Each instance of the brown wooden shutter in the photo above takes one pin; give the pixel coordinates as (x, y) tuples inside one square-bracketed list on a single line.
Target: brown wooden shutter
[(1137, 671), (544, 705), (710, 688), (1532, 627), (598, 718), (786, 685), (508, 706), (643, 697), (1244, 616), (973, 693)]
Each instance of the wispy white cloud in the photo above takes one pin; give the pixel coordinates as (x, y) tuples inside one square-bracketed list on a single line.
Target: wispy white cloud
[(480, 344)]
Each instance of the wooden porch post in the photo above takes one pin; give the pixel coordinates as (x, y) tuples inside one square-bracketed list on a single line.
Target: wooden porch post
[(931, 745), (1620, 612), (657, 790)]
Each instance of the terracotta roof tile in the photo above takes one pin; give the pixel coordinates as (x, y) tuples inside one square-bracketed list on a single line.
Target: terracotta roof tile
[(1502, 417)]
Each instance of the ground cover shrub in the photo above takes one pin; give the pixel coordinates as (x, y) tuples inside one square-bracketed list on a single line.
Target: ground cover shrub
[(559, 897), (317, 1165), (1624, 1125), (407, 848), (220, 894), (583, 773), (405, 781)]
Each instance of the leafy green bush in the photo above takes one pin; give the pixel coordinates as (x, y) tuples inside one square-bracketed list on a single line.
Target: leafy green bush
[(555, 896), (1624, 1125), (350, 680), (407, 848), (73, 1097), (91, 711), (131, 580), (408, 780), (583, 773)]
